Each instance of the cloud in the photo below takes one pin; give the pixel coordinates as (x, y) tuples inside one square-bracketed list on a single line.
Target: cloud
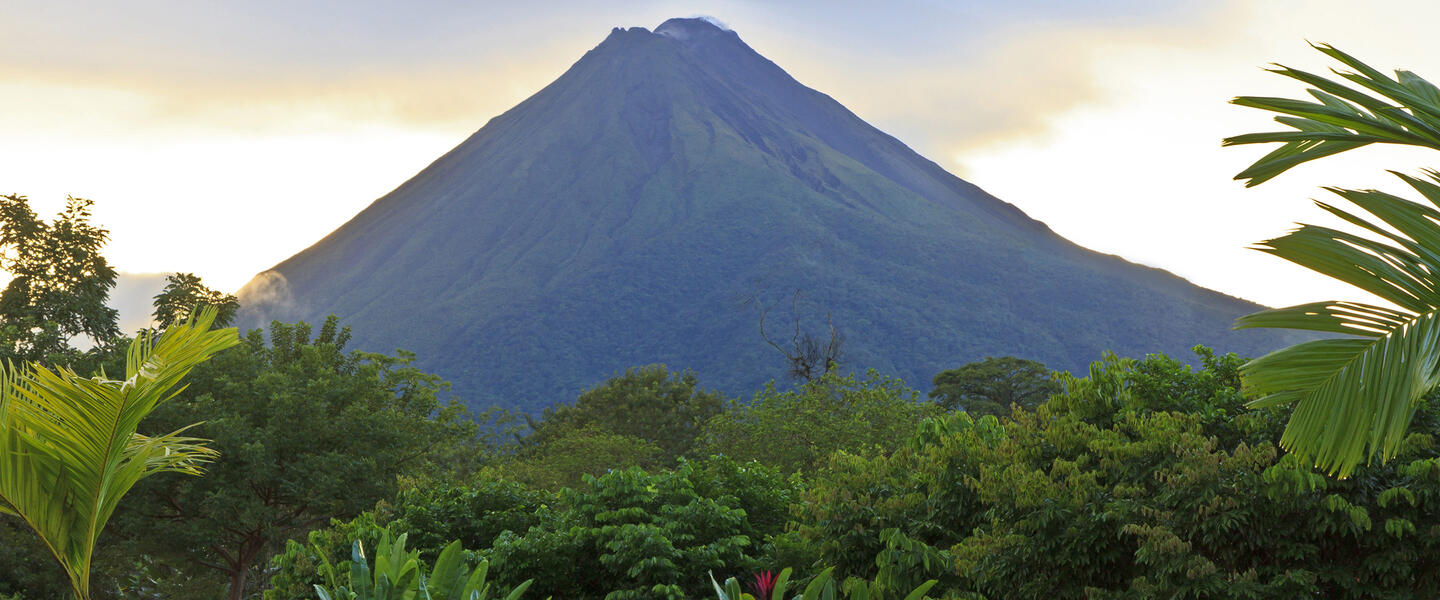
[(267, 297), (712, 20), (968, 75)]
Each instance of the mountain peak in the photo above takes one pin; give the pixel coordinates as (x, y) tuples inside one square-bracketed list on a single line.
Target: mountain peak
[(615, 218)]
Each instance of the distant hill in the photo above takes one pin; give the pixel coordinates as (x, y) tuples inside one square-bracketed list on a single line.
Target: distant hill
[(621, 215)]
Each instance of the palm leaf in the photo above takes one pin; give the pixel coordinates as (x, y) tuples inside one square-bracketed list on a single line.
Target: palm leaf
[(68, 444), (1354, 397), (1372, 108)]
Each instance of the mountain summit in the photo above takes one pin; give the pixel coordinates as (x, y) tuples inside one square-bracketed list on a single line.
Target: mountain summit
[(625, 213)]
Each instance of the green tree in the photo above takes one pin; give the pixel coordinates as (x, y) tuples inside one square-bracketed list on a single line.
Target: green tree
[(307, 432), (990, 386), (60, 281), (1354, 396), (647, 403), (69, 447), (798, 430), (183, 293)]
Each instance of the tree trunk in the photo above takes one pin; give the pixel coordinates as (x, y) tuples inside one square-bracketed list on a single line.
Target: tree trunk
[(237, 582), (249, 550)]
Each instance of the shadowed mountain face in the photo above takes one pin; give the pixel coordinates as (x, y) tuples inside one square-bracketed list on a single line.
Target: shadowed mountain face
[(623, 214)]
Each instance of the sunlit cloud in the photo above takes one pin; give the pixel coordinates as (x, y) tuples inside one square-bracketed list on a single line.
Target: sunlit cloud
[(1142, 174)]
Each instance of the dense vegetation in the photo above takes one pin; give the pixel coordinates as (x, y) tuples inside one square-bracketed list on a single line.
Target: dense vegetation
[(1142, 478)]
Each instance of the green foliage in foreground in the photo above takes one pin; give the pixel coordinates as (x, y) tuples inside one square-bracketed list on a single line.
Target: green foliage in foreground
[(399, 575), (1354, 397), (1145, 479), (69, 447)]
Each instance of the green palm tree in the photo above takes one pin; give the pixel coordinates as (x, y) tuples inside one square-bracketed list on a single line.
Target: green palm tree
[(1354, 396), (68, 444)]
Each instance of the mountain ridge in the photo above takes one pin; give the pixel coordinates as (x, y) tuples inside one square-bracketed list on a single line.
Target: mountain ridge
[(665, 176)]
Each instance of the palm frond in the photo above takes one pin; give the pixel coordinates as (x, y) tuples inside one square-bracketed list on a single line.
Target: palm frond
[(1374, 108), (1354, 397), (68, 444)]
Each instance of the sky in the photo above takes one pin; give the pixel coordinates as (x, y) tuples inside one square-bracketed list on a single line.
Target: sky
[(220, 138)]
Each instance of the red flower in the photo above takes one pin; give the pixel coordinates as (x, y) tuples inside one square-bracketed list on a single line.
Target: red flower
[(764, 585)]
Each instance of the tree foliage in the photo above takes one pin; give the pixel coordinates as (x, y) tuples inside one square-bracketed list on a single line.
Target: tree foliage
[(69, 446), (630, 535), (1354, 396), (567, 456), (307, 432), (991, 386), (60, 281), (647, 403), (1146, 479), (183, 293), (799, 429)]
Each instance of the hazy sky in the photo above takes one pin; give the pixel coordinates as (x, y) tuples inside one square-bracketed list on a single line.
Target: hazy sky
[(222, 137)]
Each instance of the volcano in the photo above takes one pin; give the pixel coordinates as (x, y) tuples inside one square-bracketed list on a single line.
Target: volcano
[(645, 206)]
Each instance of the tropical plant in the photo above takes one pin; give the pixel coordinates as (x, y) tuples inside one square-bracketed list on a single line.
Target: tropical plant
[(399, 575), (68, 444), (1354, 396)]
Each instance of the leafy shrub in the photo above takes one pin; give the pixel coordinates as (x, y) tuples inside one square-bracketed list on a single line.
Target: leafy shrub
[(473, 514), (635, 535)]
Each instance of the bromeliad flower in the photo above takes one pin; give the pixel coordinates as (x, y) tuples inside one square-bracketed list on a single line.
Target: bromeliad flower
[(764, 585)]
